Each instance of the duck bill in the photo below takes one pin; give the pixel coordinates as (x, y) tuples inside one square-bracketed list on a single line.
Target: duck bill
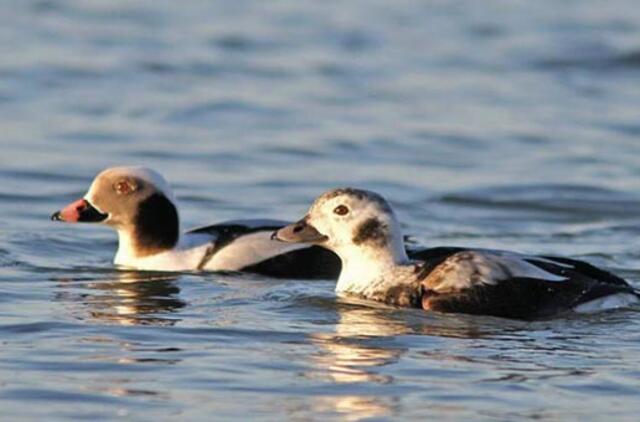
[(80, 211), (300, 232)]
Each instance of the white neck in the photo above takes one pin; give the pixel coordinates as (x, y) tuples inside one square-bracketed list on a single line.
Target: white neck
[(127, 252), (366, 268), (128, 248)]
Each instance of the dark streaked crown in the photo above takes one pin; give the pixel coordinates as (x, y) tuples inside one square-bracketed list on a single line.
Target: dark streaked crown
[(358, 194)]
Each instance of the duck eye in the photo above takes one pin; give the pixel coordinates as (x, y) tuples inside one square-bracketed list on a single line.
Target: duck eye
[(125, 187), (341, 210)]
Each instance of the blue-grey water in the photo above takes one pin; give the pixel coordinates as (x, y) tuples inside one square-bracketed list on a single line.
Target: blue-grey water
[(502, 124)]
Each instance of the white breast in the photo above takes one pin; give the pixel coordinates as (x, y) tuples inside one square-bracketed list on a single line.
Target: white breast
[(185, 256)]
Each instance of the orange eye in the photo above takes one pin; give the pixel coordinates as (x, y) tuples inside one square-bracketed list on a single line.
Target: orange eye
[(341, 210), (125, 187)]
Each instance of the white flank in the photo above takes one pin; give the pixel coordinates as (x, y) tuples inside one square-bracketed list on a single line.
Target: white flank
[(619, 300), (248, 250)]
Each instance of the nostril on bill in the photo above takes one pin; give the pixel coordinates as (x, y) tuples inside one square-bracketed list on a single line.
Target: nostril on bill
[(298, 229)]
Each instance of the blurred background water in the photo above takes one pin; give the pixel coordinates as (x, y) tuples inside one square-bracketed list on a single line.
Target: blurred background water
[(503, 124)]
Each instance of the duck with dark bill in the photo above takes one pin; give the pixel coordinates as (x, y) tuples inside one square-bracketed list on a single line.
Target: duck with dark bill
[(361, 227)]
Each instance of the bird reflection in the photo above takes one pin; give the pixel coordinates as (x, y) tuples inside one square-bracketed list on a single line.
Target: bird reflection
[(354, 354), (124, 298), (349, 355), (365, 341)]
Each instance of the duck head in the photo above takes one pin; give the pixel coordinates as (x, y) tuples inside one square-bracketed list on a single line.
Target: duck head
[(358, 225), (136, 201)]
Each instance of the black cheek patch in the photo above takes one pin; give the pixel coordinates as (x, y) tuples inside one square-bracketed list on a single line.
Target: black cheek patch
[(371, 231), (156, 224)]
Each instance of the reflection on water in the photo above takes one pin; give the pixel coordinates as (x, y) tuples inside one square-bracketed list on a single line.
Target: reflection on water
[(346, 357), (125, 298), (119, 388), (350, 355), (355, 408), (367, 338)]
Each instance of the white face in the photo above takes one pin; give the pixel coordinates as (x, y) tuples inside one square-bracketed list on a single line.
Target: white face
[(346, 219), (352, 217)]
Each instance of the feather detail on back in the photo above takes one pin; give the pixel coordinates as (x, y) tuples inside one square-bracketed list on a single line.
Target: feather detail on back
[(466, 269)]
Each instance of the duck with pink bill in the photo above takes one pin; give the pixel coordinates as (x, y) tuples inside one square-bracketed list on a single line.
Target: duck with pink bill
[(139, 204)]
